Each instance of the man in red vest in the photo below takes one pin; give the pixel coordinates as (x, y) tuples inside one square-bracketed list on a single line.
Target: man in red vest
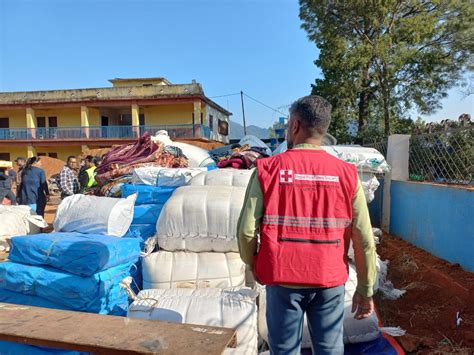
[(301, 210)]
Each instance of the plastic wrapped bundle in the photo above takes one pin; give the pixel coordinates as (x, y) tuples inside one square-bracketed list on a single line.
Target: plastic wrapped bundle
[(222, 177), (230, 308), (200, 219), (95, 215), (99, 293), (75, 253), (147, 214), (147, 194), (165, 269), (157, 176)]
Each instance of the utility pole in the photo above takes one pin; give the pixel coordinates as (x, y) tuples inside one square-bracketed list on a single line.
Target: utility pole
[(243, 111)]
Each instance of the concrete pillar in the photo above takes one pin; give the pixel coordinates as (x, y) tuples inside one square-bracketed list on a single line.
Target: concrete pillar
[(398, 151), (31, 123), (136, 120), (197, 117), (30, 151), (85, 121)]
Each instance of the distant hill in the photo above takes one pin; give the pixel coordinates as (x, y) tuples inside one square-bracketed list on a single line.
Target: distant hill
[(237, 131)]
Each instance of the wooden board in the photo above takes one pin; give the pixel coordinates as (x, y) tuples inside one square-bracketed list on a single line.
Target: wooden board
[(101, 334)]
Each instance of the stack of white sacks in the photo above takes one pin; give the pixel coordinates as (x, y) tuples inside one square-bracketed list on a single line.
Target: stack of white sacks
[(192, 272), (197, 275)]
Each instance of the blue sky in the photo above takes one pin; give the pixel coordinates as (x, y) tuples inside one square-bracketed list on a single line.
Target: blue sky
[(252, 45)]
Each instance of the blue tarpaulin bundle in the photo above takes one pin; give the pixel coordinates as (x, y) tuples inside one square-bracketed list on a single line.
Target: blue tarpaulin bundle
[(75, 253), (11, 348), (146, 214), (99, 293), (148, 194), (141, 231)]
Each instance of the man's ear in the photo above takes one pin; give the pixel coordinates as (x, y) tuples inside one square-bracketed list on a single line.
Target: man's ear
[(296, 127)]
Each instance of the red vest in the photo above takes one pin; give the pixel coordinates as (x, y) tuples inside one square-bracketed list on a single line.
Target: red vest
[(305, 231)]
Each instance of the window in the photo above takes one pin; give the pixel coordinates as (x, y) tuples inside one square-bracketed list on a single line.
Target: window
[(202, 118), (147, 84), (211, 122), (41, 122), (4, 122), (223, 127), (53, 155), (41, 154), (53, 121), (5, 156), (141, 119)]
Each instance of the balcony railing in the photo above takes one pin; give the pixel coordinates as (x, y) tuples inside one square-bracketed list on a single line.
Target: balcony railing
[(102, 132)]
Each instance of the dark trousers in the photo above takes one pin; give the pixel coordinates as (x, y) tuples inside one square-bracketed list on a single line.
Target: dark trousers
[(324, 308)]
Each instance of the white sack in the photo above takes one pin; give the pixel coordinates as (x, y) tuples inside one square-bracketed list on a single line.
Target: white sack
[(200, 218), (366, 159), (165, 269), (370, 184), (95, 215), (222, 177), (157, 176), (17, 221), (355, 331), (197, 157), (229, 308)]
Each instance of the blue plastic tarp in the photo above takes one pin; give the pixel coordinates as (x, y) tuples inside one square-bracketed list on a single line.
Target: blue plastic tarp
[(11, 348), (148, 194), (98, 293), (75, 253), (146, 214), (119, 309), (141, 231)]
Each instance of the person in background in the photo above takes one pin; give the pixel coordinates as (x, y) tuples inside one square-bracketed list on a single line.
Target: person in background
[(87, 173), (7, 197), (68, 182), (20, 163), (13, 176), (33, 189), (306, 206)]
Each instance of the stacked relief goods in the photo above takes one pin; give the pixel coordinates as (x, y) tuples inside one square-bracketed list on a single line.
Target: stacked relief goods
[(197, 275), (79, 267)]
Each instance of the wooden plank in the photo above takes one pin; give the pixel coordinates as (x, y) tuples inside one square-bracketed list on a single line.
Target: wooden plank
[(102, 334)]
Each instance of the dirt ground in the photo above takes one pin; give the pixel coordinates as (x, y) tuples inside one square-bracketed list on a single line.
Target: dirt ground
[(428, 311)]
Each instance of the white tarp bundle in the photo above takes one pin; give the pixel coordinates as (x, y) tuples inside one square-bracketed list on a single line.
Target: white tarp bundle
[(355, 331), (366, 159), (222, 177), (18, 221), (157, 176), (95, 215), (230, 308), (200, 219), (197, 157), (165, 269), (370, 184)]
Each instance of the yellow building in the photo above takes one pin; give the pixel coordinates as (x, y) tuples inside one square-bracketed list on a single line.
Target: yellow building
[(60, 123)]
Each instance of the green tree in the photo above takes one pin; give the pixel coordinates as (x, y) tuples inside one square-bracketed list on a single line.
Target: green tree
[(382, 58)]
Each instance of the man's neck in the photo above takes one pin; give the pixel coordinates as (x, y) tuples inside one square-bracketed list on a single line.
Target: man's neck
[(311, 141)]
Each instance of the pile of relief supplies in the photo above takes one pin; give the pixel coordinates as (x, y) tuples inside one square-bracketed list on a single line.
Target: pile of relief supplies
[(192, 272)]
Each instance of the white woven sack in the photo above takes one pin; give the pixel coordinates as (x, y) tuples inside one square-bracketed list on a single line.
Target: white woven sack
[(95, 215), (200, 219), (157, 176), (165, 269), (19, 220), (370, 184), (355, 331), (230, 308), (222, 177)]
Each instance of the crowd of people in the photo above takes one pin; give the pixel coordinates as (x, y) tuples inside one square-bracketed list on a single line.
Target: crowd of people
[(31, 187)]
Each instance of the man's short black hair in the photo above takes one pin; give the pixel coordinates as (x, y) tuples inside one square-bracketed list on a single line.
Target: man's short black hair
[(314, 113), (89, 158), (71, 157)]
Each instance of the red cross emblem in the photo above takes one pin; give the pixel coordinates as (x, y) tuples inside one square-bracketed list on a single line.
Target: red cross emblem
[(286, 176)]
